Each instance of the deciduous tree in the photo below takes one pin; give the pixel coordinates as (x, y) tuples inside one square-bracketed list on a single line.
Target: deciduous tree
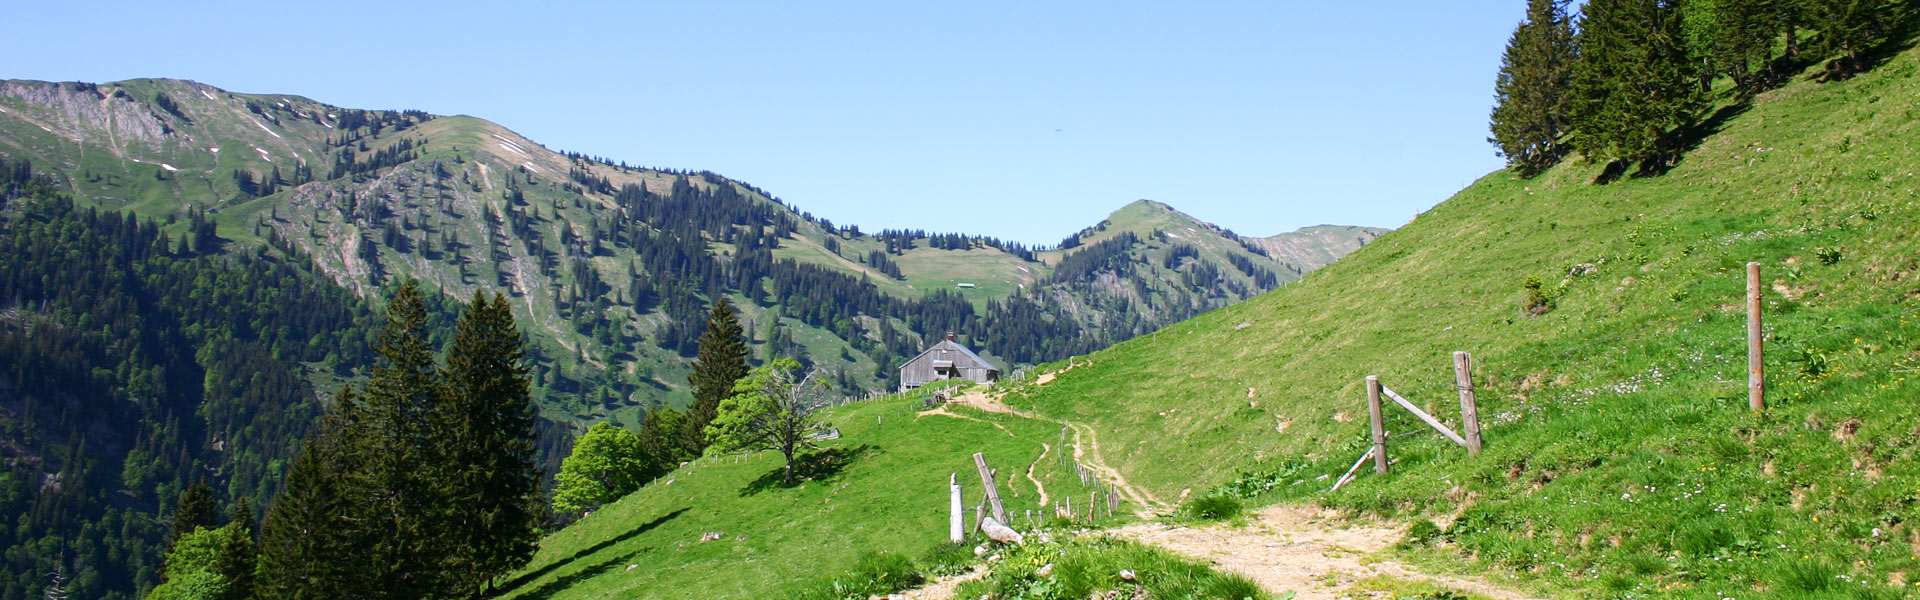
[(606, 464), (772, 409)]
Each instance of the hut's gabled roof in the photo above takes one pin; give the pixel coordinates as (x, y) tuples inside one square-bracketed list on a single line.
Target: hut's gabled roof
[(953, 346)]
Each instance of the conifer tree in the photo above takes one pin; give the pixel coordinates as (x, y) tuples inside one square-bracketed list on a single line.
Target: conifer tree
[(1849, 28), (387, 437), (196, 510), (662, 437), (485, 445), (1634, 82), (721, 362), (1530, 113), (1742, 37), (309, 546), (239, 555)]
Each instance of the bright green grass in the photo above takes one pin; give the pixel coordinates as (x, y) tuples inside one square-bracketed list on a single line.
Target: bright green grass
[(1620, 454), (1089, 566), (890, 497)]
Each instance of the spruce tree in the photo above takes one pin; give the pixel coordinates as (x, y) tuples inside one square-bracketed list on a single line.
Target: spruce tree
[(485, 445), (387, 438), (1634, 82), (1742, 39), (307, 549), (239, 555), (1530, 111), (196, 510), (721, 362), (1849, 28)]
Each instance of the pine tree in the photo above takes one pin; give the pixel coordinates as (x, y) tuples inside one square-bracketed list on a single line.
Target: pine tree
[(196, 510), (1634, 82), (721, 362), (1530, 111), (486, 445)]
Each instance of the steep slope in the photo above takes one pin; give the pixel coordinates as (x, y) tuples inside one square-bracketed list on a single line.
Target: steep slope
[(610, 265), (1620, 452), (1621, 459)]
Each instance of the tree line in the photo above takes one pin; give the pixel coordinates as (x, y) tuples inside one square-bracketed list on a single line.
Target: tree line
[(420, 483), (141, 366), (1624, 81)]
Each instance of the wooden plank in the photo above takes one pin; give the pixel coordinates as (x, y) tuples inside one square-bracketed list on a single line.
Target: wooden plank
[(993, 491), (1348, 476), (1756, 370), (1431, 422), (1379, 427), (1469, 410)]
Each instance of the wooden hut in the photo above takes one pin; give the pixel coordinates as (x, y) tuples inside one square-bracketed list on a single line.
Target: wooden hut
[(946, 360)]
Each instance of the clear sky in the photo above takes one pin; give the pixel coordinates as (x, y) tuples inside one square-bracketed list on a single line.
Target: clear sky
[(1022, 120)]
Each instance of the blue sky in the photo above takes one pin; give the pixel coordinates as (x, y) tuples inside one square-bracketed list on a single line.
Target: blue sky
[(1022, 120)]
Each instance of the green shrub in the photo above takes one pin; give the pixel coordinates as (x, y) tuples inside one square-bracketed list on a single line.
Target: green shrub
[(1087, 567), (1215, 508), (1538, 302), (947, 559), (876, 573)]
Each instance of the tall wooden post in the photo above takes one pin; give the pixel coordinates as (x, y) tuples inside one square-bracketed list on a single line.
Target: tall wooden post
[(993, 491), (1379, 426), (957, 529), (1469, 412), (1756, 371)]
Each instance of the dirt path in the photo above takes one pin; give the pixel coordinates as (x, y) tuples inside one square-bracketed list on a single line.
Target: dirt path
[(1044, 449), (1301, 549), (1086, 449), (939, 589)]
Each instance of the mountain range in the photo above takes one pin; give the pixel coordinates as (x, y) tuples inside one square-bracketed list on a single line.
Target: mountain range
[(610, 265)]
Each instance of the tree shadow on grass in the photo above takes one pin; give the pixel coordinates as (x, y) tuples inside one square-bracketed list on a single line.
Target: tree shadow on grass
[(547, 589), (1685, 140), (812, 466)]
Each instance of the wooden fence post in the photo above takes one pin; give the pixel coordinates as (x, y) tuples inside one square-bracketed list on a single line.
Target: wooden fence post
[(957, 528), (1469, 412), (1379, 427), (993, 491), (1756, 371)]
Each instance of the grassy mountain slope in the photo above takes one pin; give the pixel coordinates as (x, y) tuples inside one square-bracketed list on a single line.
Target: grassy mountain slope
[(462, 203), (883, 489), (1621, 454), (1621, 460)]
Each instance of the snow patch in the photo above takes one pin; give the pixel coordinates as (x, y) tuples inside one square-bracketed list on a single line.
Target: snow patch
[(530, 166), (332, 116), (215, 149), (167, 167), (264, 128), (3, 111), (509, 145), (263, 153), (208, 95)]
